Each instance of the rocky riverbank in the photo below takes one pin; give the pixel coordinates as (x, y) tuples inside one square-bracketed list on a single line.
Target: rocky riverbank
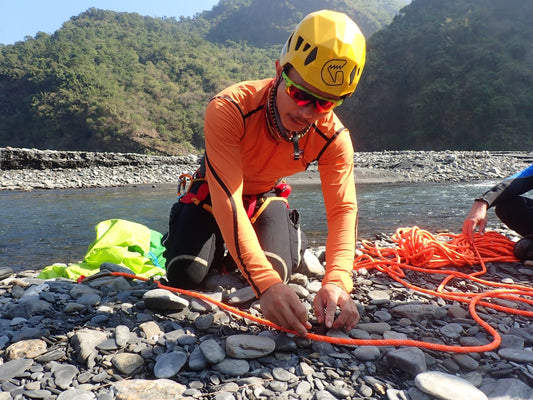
[(29, 169), (116, 338)]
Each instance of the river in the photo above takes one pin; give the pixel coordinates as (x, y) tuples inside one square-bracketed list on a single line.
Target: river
[(42, 227)]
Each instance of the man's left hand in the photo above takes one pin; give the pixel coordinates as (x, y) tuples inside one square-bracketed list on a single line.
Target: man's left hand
[(328, 298)]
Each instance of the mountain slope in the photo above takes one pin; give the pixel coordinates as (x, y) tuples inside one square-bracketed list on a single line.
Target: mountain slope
[(455, 74), (109, 81), (273, 21)]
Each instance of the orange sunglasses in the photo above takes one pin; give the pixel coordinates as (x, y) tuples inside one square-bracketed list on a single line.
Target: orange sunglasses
[(303, 97)]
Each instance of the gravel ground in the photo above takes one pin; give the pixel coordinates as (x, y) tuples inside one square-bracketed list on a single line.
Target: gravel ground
[(117, 338), (55, 170)]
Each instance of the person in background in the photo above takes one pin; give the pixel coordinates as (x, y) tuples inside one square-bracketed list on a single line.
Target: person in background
[(513, 209), (256, 133)]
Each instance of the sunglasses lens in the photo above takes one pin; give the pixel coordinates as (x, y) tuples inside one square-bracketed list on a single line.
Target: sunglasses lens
[(299, 96), (324, 106)]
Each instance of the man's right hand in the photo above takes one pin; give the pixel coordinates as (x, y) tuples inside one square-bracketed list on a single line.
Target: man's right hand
[(281, 305), (477, 217)]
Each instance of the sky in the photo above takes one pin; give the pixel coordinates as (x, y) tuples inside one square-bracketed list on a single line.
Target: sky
[(21, 18)]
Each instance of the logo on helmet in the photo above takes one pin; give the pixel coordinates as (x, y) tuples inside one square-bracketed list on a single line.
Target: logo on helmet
[(332, 73)]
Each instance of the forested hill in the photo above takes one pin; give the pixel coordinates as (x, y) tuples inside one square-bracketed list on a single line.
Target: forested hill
[(109, 81), (266, 23), (454, 74)]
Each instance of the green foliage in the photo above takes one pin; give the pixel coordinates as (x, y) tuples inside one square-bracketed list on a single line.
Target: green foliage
[(109, 81), (453, 74), (273, 21)]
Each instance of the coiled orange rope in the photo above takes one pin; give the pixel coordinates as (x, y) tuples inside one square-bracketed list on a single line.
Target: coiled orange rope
[(418, 250)]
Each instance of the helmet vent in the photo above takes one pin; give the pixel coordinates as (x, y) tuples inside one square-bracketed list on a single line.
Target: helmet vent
[(353, 74), (299, 42), (312, 56)]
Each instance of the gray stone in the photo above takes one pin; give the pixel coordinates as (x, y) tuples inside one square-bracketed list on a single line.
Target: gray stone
[(212, 351), (447, 387), (127, 363), (89, 299), (78, 291), (374, 327), (418, 311), (169, 364), (311, 266), (160, 389), (161, 299), (452, 331), (324, 395), (197, 360), (379, 295), (85, 342), (64, 375), (29, 308), (285, 343), (122, 335), (249, 346), (507, 389), (76, 394), (37, 394), (367, 353), (408, 359), (5, 272), (516, 355), (204, 322), (465, 361), (512, 341), (232, 367), (241, 296), (108, 345), (278, 387), (13, 368), (281, 374)]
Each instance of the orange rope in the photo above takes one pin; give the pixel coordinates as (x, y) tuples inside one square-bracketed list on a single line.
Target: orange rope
[(418, 250)]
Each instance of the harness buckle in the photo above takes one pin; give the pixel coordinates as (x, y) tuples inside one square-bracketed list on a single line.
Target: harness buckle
[(184, 184)]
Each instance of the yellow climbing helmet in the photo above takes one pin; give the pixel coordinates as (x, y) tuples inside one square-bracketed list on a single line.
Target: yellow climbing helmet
[(328, 50)]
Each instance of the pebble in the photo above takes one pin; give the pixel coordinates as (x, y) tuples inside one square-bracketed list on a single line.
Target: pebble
[(249, 346), (447, 387), (516, 355), (452, 330), (411, 360), (212, 351), (507, 389), (169, 364)]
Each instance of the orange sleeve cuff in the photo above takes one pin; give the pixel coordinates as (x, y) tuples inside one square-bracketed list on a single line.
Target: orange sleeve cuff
[(339, 277)]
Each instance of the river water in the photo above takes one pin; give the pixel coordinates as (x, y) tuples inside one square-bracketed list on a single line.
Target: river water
[(42, 227)]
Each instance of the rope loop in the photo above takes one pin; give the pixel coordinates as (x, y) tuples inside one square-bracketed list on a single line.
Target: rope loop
[(420, 251)]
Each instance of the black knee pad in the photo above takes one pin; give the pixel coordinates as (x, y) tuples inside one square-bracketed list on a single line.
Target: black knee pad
[(280, 237), (517, 214), (192, 246), (523, 249)]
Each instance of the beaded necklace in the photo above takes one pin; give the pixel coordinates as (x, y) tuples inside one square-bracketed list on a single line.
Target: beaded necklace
[(275, 127)]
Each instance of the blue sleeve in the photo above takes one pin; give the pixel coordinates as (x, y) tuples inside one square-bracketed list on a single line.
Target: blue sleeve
[(512, 186)]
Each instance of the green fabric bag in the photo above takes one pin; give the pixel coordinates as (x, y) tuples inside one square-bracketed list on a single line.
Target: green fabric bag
[(121, 242)]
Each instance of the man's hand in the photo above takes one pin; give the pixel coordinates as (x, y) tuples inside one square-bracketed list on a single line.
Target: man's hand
[(326, 301), (281, 305), (477, 217)]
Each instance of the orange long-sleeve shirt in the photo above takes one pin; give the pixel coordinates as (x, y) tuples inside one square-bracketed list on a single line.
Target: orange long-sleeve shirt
[(243, 158)]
